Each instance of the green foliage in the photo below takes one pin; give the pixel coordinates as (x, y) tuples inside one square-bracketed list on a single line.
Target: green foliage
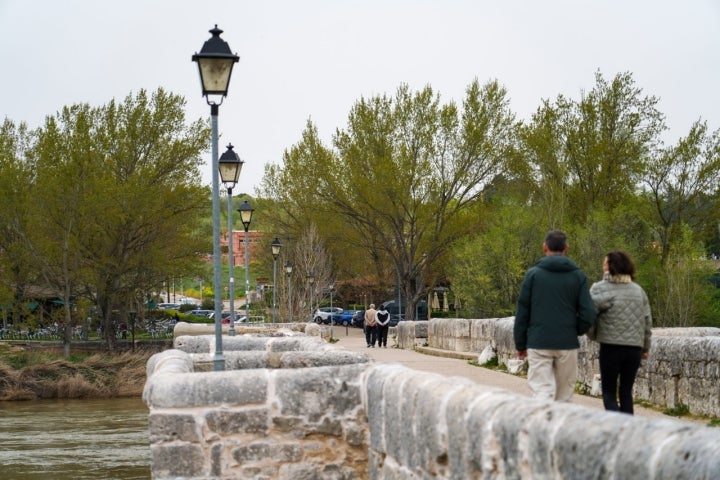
[(104, 203), (681, 295), (404, 178), (488, 269), (604, 231), (683, 189), (492, 363), (588, 153), (118, 202), (679, 410)]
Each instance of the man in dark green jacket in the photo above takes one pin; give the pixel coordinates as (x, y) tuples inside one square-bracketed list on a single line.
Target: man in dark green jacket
[(553, 309)]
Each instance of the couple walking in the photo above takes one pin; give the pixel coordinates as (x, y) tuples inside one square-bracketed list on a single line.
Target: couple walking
[(555, 306), (376, 326)]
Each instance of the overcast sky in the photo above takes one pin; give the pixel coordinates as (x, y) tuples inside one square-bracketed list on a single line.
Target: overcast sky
[(314, 59)]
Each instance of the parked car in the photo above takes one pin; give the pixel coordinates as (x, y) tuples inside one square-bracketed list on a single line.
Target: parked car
[(358, 319), (239, 318), (168, 306), (346, 317), (200, 313), (322, 314), (397, 316), (225, 316), (395, 319)]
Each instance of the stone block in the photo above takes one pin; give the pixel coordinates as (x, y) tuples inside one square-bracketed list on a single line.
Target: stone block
[(170, 361), (178, 461), (172, 427), (691, 453), (317, 359), (406, 334), (206, 389), (226, 422), (267, 452), (193, 344), (317, 393), (243, 360)]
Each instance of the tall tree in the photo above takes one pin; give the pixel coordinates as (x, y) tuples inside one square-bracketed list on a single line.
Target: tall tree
[(131, 169), (684, 186), (65, 159), (591, 153), (16, 272), (406, 175)]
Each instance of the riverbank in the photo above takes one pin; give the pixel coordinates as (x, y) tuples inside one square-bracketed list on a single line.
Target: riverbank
[(37, 372)]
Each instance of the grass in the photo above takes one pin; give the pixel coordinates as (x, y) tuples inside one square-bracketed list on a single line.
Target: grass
[(679, 410), (492, 364), (36, 374)]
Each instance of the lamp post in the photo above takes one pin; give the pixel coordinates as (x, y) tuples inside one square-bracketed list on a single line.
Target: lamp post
[(246, 212), (288, 272), (422, 285), (276, 246), (311, 280), (332, 317), (215, 63), (132, 314), (230, 166)]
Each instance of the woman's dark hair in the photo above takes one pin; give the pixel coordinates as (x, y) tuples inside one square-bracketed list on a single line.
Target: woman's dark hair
[(620, 263)]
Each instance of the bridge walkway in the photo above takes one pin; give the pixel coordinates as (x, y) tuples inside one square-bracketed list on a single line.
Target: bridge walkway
[(457, 364)]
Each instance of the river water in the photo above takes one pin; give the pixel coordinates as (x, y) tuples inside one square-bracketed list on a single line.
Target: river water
[(74, 440)]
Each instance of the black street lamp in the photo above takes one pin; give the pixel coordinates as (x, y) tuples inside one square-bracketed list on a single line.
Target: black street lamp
[(332, 317), (311, 281), (275, 246), (133, 315), (288, 272), (215, 63), (230, 166), (246, 213)]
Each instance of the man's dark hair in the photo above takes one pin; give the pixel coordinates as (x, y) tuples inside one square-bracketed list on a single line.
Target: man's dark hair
[(620, 263), (556, 241)]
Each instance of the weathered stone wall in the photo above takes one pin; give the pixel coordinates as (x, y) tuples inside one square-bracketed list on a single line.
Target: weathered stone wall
[(423, 425), (410, 333), (276, 418), (683, 368), (368, 421)]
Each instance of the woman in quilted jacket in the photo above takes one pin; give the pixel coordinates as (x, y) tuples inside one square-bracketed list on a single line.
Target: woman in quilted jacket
[(623, 328)]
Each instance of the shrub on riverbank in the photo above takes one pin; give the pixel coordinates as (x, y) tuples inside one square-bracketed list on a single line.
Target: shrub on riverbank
[(37, 374)]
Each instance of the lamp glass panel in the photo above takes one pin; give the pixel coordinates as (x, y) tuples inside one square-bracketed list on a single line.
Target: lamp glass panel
[(215, 75), (246, 216), (230, 171)]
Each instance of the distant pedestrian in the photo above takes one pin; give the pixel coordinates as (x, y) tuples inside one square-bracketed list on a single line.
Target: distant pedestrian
[(382, 318), (623, 328), (553, 309), (370, 326)]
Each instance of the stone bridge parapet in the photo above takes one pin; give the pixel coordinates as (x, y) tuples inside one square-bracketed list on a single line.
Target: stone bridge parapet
[(304, 409), (683, 368)]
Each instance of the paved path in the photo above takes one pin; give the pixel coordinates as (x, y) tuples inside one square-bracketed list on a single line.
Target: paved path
[(354, 339)]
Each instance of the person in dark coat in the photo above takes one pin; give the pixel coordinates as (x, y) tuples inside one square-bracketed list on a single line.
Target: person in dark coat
[(554, 308)]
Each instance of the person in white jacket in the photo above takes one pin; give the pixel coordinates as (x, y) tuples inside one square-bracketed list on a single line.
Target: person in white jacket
[(382, 320)]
